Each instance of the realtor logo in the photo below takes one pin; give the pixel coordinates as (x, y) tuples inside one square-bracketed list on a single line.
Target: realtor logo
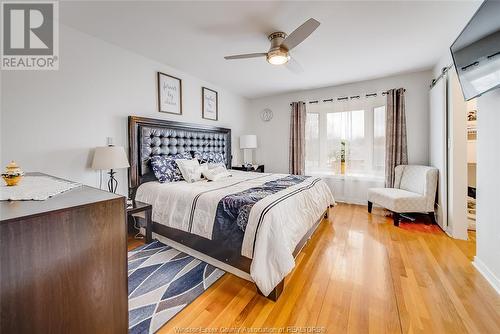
[(30, 36)]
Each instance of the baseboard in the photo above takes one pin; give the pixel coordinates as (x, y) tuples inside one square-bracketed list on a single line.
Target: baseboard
[(487, 274), (365, 203)]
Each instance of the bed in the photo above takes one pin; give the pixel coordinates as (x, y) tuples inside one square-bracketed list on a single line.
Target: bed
[(250, 224)]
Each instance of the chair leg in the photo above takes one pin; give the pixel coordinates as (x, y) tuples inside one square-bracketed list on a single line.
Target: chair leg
[(370, 205), (396, 217), (432, 217)]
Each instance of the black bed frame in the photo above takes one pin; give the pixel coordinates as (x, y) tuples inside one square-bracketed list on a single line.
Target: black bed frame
[(139, 173)]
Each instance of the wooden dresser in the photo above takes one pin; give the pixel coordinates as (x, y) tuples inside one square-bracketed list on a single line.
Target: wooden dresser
[(63, 264)]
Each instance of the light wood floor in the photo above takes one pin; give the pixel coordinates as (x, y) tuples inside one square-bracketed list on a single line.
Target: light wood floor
[(360, 274)]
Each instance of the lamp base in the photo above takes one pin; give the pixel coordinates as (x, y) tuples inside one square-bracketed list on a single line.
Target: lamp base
[(247, 156), (112, 183)]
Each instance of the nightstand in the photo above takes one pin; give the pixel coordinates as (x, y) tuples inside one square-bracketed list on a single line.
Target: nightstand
[(254, 168), (138, 207)]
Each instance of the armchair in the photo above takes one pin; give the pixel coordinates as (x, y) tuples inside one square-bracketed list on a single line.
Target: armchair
[(414, 191)]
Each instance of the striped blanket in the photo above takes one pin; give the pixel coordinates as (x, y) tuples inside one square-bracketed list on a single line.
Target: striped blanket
[(260, 216)]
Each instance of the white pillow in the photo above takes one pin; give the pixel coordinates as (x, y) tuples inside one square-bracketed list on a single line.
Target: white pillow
[(203, 167), (217, 173), (190, 169)]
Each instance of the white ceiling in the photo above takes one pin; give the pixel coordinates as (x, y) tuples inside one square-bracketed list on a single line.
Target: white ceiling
[(355, 41)]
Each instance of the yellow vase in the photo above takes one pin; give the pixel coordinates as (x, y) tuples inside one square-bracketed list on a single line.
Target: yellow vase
[(342, 167), (13, 180), (13, 174)]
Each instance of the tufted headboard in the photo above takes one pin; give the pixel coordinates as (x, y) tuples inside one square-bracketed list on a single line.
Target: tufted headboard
[(149, 137)]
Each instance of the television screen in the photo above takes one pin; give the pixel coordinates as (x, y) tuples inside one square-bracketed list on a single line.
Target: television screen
[(476, 52)]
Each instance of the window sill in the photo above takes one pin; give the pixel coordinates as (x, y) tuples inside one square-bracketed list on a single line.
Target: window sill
[(354, 177)]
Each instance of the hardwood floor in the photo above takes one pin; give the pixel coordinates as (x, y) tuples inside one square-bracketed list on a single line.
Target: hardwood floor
[(360, 274), (132, 242)]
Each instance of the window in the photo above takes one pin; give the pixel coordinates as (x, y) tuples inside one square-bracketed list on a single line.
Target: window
[(346, 138)]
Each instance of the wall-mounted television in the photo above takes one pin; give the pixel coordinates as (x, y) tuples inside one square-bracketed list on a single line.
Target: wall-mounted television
[(476, 51)]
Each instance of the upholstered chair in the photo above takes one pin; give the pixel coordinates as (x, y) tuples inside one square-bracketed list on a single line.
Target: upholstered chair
[(414, 191)]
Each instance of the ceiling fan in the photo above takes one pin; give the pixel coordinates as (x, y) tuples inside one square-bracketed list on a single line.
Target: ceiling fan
[(281, 44)]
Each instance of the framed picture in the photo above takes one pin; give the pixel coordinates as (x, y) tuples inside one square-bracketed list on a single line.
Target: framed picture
[(169, 94), (472, 115), (209, 104)]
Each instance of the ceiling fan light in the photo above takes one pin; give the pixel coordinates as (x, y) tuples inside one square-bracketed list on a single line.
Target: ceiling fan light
[(278, 57), (278, 60)]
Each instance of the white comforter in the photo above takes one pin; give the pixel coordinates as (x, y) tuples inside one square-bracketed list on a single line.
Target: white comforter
[(288, 215)]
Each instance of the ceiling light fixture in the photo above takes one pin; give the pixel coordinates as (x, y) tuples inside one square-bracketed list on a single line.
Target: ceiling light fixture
[(282, 44), (278, 57)]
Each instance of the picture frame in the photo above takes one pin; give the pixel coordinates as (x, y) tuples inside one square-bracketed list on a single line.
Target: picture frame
[(209, 104), (169, 94), (472, 115)]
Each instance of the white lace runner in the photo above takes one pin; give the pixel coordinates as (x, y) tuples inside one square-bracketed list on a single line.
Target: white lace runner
[(36, 188)]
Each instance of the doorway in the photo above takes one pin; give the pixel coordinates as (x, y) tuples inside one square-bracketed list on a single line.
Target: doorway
[(471, 163)]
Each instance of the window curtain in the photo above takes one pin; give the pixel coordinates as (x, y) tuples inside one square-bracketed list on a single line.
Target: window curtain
[(396, 151), (297, 138)]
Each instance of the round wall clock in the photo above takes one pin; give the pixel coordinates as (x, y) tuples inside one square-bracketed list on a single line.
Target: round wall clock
[(266, 115)]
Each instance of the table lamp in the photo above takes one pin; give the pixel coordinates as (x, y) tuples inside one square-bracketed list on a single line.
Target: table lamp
[(247, 143), (110, 157)]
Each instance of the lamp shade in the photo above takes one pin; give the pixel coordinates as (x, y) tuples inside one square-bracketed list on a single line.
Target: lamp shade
[(110, 157), (248, 141)]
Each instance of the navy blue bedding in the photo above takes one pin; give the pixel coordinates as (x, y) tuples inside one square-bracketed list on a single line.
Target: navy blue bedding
[(233, 210)]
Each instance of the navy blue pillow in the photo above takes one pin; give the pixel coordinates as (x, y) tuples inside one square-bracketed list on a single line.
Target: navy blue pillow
[(183, 155), (211, 157), (165, 168)]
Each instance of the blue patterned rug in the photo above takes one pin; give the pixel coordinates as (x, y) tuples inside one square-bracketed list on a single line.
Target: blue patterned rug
[(161, 282)]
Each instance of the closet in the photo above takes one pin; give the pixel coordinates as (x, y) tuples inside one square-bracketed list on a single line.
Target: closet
[(471, 163)]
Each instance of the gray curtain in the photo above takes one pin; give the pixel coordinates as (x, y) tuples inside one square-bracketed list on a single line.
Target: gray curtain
[(297, 138), (396, 151)]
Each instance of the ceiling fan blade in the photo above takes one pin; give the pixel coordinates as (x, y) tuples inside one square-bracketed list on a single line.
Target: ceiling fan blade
[(248, 55), (300, 34), (294, 66)]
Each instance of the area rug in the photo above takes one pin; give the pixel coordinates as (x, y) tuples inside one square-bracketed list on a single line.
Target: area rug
[(161, 282)]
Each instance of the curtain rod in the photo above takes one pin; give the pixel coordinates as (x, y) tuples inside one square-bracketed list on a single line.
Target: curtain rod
[(444, 70), (345, 98)]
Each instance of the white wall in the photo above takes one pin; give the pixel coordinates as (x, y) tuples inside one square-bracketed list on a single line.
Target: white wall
[(52, 120), (487, 259), (273, 136)]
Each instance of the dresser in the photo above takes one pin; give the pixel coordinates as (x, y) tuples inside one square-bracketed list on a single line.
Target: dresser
[(63, 264)]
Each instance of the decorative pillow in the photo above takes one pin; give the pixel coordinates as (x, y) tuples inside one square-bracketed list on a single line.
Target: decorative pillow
[(212, 165), (203, 167), (198, 155), (218, 158), (165, 168), (217, 173), (183, 155), (212, 157), (190, 169)]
